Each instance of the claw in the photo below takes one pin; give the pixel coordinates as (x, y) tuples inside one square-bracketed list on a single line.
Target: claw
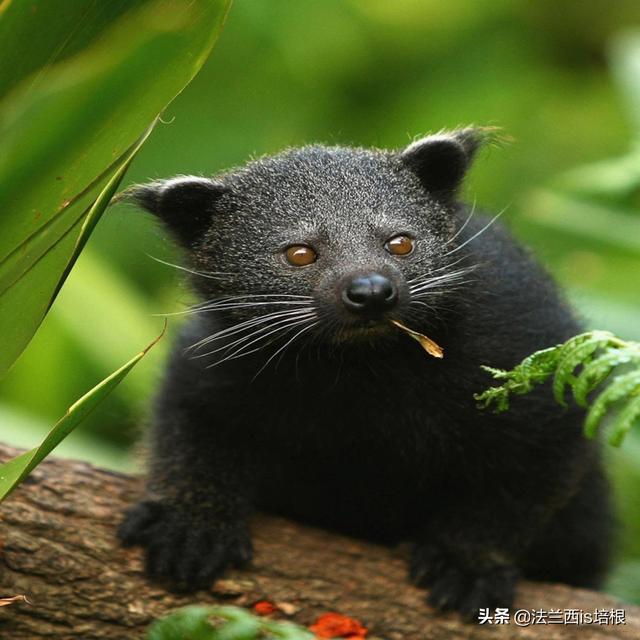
[(188, 553), (462, 588)]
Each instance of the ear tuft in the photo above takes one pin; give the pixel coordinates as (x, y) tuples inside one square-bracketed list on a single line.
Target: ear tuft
[(442, 160), (185, 204)]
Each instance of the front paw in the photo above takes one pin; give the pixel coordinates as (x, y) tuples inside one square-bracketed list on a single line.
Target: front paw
[(463, 587), (189, 551)]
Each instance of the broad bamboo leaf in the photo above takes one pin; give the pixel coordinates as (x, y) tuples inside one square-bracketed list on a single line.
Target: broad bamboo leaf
[(12, 473), (73, 112), (35, 281)]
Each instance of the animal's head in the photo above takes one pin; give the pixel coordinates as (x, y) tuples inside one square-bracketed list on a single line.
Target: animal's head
[(326, 240)]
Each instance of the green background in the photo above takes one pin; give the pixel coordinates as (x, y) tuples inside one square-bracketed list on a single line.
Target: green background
[(561, 78)]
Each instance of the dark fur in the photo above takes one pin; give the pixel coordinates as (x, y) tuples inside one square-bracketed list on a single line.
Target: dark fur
[(354, 427)]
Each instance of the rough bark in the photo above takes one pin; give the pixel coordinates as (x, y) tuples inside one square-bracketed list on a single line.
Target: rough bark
[(59, 548)]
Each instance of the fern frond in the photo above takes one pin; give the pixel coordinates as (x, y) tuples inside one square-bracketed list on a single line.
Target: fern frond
[(627, 417), (576, 351), (533, 370), (597, 371), (582, 363), (621, 387)]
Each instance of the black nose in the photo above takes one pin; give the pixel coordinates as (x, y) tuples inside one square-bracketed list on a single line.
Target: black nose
[(370, 295)]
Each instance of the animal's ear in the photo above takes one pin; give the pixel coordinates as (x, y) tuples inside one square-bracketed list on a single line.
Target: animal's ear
[(441, 160), (184, 204)]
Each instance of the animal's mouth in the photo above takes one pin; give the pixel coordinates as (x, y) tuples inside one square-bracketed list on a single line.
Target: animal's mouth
[(366, 329), (370, 329)]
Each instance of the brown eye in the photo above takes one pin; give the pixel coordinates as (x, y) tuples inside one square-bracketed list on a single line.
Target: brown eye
[(299, 255), (399, 245)]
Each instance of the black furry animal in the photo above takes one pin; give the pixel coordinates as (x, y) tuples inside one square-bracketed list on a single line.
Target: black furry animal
[(291, 391)]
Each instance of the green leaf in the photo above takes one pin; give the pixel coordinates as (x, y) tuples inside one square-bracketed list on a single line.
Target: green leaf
[(42, 263), (222, 623), (12, 473), (594, 355), (574, 353), (22, 429), (533, 370), (108, 299), (596, 371), (78, 105), (188, 623), (625, 420), (286, 631), (619, 388)]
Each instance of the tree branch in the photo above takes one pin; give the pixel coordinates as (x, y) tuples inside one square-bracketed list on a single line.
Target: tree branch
[(59, 549)]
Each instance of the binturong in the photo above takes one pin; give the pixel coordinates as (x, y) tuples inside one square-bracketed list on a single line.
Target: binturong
[(292, 388)]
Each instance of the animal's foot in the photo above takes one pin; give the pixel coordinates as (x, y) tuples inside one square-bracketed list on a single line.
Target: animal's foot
[(464, 588), (188, 552)]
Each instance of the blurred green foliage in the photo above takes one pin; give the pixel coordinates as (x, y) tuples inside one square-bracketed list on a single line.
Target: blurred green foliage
[(563, 79)]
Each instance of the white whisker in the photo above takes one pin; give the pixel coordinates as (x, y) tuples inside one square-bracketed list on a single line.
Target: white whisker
[(466, 222), (243, 305), (478, 233), (226, 307), (313, 324), (241, 351), (422, 304), (430, 292), (256, 295), (442, 268), (242, 326), (214, 275), (446, 278), (281, 332), (258, 334)]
